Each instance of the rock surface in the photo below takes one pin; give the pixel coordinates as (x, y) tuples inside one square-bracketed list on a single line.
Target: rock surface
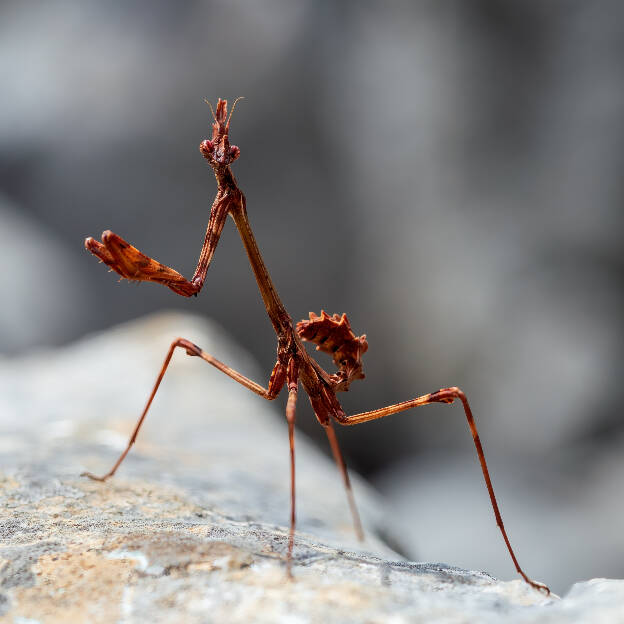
[(193, 528)]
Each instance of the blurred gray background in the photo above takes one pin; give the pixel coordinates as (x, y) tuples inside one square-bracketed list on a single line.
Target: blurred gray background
[(447, 173)]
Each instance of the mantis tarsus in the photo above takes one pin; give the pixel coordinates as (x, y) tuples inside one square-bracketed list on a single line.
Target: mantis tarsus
[(294, 366)]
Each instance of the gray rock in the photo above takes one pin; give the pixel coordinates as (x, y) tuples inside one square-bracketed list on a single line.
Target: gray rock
[(193, 528)]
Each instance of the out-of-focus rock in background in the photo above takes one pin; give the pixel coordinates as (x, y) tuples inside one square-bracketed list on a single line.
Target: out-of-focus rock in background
[(193, 527), (42, 285), (448, 174)]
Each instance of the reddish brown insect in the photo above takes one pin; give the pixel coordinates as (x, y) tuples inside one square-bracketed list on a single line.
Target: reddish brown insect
[(331, 334)]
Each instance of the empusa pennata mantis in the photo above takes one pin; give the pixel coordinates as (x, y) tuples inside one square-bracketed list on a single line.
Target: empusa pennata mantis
[(294, 366)]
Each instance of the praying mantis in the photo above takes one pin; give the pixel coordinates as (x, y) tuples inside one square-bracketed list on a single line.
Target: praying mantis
[(294, 367)]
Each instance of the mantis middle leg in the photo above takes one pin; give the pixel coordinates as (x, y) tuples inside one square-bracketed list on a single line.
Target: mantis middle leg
[(276, 382)]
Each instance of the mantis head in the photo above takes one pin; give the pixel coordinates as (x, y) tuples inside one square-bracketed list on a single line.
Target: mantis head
[(218, 151)]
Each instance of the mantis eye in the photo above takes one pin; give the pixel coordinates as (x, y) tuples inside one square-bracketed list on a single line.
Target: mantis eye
[(206, 148), (234, 153)]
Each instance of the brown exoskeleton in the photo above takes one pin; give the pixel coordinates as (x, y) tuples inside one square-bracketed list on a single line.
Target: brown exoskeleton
[(294, 366)]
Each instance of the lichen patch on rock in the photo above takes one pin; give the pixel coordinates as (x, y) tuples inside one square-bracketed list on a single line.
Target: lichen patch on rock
[(81, 586)]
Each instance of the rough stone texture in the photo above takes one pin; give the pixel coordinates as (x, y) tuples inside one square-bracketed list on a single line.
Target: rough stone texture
[(193, 527)]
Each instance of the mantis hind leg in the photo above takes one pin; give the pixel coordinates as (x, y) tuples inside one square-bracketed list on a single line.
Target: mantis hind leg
[(448, 395), (342, 466)]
